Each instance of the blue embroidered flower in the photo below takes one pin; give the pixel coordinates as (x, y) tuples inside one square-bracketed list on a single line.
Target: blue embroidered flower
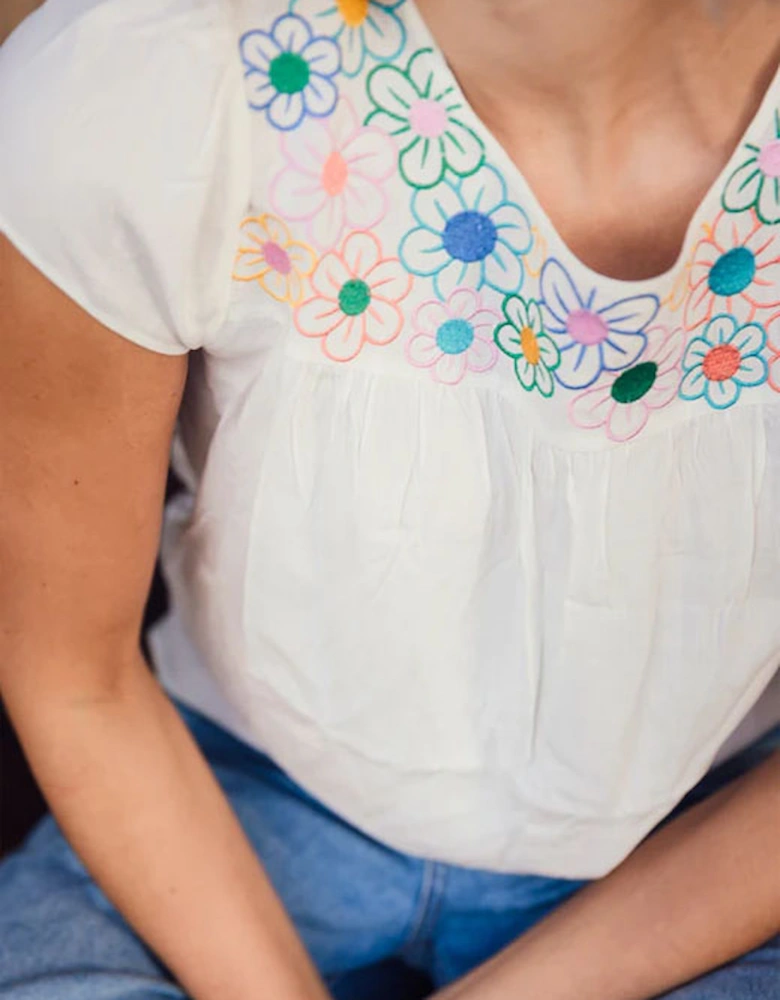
[(289, 72), (592, 338), (468, 234), (363, 28), (724, 360)]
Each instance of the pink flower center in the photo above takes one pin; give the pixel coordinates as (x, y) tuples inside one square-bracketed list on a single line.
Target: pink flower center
[(586, 327), (428, 119), (769, 159), (277, 258), (335, 174), (721, 362)]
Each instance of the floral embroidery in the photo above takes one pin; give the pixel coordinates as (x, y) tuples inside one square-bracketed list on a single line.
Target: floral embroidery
[(468, 234), (592, 339), (289, 72), (756, 181), (622, 403), (735, 270), (424, 115), (332, 176), (773, 344), (678, 293), (268, 254), (363, 28), (453, 337), (357, 292), (722, 361), (523, 339)]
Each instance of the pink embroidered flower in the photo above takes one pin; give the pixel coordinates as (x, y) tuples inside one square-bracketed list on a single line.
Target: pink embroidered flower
[(736, 269), (622, 402), (356, 300), (453, 337), (333, 175), (268, 254)]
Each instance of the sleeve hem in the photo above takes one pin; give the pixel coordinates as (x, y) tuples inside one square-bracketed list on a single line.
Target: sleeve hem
[(51, 274)]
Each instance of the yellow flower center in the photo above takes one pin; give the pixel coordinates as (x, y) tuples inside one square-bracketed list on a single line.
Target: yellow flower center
[(530, 345), (354, 12)]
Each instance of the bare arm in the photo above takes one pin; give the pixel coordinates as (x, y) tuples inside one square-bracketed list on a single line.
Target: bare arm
[(702, 891), (86, 421)]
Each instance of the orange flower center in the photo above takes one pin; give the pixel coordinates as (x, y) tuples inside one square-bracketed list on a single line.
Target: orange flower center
[(529, 345), (721, 362), (354, 12), (334, 174)]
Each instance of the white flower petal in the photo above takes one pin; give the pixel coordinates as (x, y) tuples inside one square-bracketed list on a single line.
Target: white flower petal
[(291, 33), (296, 195), (508, 339), (504, 269), (749, 339), (482, 355), (389, 280), (664, 389), (430, 316), (621, 350), (391, 91), (258, 50), (370, 153), (455, 274), (434, 207), (544, 380), (353, 50), (397, 129), (323, 57), (743, 186), (329, 277), (631, 314), (383, 33), (328, 224), (723, 394), (720, 330), (580, 366), (423, 253), (516, 311), (384, 322), (592, 408), (345, 341), (323, 15), (422, 71), (316, 317), (422, 162), (307, 149), (559, 294), (320, 96), (361, 253), (698, 306), (768, 202), (696, 352), (463, 303), (513, 227), (450, 368), (365, 203), (694, 384), (627, 419), (548, 351), (764, 290), (752, 371), (286, 111), (463, 150), (484, 191), (249, 264), (422, 350), (260, 92)]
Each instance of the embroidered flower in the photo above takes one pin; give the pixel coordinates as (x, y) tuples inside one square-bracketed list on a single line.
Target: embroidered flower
[(424, 114), (523, 339), (675, 299), (268, 254), (592, 338), (722, 361), (735, 270), (363, 28), (773, 343), (289, 72), (756, 181), (453, 337), (468, 234), (357, 292), (332, 176), (622, 403)]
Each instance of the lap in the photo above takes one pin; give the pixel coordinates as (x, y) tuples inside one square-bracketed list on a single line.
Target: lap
[(753, 977)]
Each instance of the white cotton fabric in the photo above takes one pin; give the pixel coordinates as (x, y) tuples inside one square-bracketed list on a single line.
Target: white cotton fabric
[(475, 630)]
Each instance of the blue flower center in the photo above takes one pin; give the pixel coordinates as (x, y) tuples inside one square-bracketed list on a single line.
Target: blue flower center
[(733, 272), (470, 236), (454, 336)]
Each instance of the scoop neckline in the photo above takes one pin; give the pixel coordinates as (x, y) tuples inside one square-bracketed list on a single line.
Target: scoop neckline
[(497, 156)]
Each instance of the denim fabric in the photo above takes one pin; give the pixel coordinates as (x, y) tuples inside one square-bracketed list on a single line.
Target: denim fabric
[(356, 903)]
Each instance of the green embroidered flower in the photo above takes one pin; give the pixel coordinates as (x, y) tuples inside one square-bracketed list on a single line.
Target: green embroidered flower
[(425, 116), (523, 339), (756, 181)]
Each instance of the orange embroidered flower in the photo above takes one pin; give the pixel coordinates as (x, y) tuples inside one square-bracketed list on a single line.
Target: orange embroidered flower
[(268, 254)]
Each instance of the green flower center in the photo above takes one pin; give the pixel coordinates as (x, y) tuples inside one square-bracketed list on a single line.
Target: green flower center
[(635, 383), (289, 73), (733, 272), (354, 297)]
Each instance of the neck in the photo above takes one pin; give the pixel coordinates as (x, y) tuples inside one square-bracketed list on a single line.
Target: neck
[(589, 60)]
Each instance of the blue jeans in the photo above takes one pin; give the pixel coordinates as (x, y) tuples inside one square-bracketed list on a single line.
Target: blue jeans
[(356, 903)]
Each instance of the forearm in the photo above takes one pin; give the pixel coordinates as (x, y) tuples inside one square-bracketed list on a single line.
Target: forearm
[(141, 807), (699, 893)]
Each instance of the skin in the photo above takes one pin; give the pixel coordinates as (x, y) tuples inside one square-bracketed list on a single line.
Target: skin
[(620, 145)]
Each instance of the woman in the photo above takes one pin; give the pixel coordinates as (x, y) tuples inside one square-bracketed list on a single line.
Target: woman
[(481, 430)]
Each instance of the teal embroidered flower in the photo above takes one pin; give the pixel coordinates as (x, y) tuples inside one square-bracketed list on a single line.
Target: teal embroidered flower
[(468, 234), (724, 360), (523, 339), (756, 181), (363, 29), (425, 116)]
